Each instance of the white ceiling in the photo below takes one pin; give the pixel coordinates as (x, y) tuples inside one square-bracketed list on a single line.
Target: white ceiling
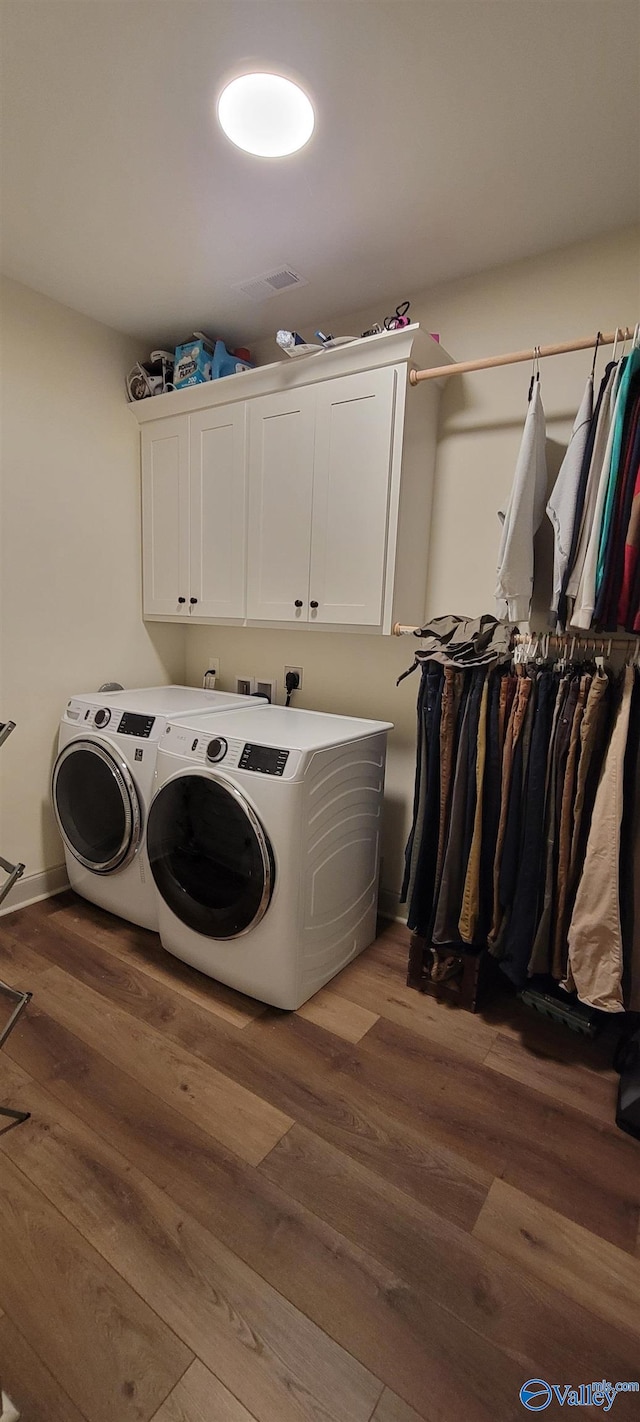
[(452, 135)]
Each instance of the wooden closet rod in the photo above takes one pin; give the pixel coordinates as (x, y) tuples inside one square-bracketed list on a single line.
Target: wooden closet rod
[(615, 640), (437, 372)]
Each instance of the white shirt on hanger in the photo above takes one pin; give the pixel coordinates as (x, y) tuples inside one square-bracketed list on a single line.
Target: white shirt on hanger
[(523, 517), (561, 507)]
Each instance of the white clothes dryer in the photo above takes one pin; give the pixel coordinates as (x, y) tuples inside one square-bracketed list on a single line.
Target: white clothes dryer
[(102, 784), (264, 843)]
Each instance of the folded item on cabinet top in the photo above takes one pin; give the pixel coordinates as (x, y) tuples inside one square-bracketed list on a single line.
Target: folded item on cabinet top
[(463, 642)]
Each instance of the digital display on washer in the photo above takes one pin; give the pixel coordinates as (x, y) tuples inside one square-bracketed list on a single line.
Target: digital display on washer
[(268, 759), (133, 725)]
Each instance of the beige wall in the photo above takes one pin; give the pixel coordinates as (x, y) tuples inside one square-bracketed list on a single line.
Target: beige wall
[(70, 565), (580, 289), (70, 548)]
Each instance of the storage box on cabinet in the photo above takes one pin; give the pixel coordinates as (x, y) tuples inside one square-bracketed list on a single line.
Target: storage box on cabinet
[(321, 470)]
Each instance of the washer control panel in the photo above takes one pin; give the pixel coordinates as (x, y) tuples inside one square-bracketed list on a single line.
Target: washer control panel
[(216, 749), (102, 717), (230, 753), (269, 760), (132, 724)]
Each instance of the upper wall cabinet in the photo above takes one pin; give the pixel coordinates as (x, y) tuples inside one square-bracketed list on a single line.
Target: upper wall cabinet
[(295, 494), (194, 514)]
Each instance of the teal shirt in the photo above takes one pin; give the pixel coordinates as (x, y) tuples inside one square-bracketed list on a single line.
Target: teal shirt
[(631, 365)]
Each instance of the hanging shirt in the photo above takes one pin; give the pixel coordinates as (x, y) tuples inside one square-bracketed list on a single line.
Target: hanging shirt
[(602, 416), (586, 595), (562, 505), (631, 365), (523, 517), (626, 543)]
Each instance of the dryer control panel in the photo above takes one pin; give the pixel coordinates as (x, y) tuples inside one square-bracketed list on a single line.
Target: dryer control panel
[(270, 760), (132, 724), (228, 753)]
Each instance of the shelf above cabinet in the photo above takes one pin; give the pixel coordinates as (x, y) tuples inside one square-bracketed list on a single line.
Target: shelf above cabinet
[(410, 345)]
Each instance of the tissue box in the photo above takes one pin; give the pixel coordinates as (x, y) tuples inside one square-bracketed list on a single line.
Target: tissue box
[(193, 364)]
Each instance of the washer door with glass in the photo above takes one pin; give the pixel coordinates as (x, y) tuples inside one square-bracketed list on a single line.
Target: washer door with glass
[(209, 855), (96, 805)]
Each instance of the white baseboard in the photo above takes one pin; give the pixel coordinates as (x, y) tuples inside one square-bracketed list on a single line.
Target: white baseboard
[(389, 906), (32, 887)]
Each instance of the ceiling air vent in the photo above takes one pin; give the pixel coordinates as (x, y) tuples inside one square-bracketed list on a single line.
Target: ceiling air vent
[(263, 287)]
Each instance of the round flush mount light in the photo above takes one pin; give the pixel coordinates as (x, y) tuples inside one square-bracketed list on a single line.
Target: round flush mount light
[(266, 114)]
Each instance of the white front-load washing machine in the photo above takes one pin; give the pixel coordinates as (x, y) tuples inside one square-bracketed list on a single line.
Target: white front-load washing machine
[(102, 784), (264, 841)]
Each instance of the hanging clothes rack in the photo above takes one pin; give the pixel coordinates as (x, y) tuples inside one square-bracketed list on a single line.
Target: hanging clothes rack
[(584, 640), (513, 357)]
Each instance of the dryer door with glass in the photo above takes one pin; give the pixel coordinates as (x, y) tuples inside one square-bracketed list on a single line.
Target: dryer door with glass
[(210, 856), (96, 805)]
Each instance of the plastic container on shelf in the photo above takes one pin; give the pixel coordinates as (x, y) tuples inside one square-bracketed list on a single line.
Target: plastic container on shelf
[(224, 363)]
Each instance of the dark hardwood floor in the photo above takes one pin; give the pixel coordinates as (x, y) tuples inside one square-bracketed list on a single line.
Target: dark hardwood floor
[(376, 1209)]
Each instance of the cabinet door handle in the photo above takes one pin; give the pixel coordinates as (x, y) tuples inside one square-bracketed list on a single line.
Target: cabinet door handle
[(298, 602), (182, 599), (313, 604), (192, 600)]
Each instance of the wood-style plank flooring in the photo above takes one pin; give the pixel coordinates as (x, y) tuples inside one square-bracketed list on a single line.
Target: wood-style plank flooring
[(377, 1209)]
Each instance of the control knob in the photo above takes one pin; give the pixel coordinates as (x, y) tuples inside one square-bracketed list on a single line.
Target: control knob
[(217, 749), (102, 717)]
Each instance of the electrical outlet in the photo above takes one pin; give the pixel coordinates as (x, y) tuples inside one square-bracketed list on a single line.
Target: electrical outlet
[(245, 685), (213, 665), (267, 688), (299, 671)]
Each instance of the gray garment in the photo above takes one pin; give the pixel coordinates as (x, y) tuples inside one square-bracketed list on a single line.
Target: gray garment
[(540, 960), (419, 818), (525, 510), (591, 491), (463, 642), (561, 507), (633, 996), (527, 730), (585, 598), (445, 927)]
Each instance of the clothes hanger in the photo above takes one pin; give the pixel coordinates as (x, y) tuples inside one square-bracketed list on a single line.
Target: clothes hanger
[(595, 353), (535, 371)]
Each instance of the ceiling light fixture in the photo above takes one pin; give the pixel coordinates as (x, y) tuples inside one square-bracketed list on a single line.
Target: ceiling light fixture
[(266, 114)]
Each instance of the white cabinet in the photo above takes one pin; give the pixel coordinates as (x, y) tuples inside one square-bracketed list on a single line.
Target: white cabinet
[(165, 516), (295, 494), (319, 483), (194, 514), (351, 492), (281, 447), (217, 511)]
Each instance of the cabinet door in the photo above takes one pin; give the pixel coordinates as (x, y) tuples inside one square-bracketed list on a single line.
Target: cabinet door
[(165, 516), (281, 441), (217, 511), (352, 476)]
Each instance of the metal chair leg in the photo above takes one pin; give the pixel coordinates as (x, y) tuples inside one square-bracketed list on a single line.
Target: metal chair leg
[(21, 999), (16, 1117)]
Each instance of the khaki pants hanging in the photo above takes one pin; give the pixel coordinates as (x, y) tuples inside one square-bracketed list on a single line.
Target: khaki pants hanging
[(595, 933)]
